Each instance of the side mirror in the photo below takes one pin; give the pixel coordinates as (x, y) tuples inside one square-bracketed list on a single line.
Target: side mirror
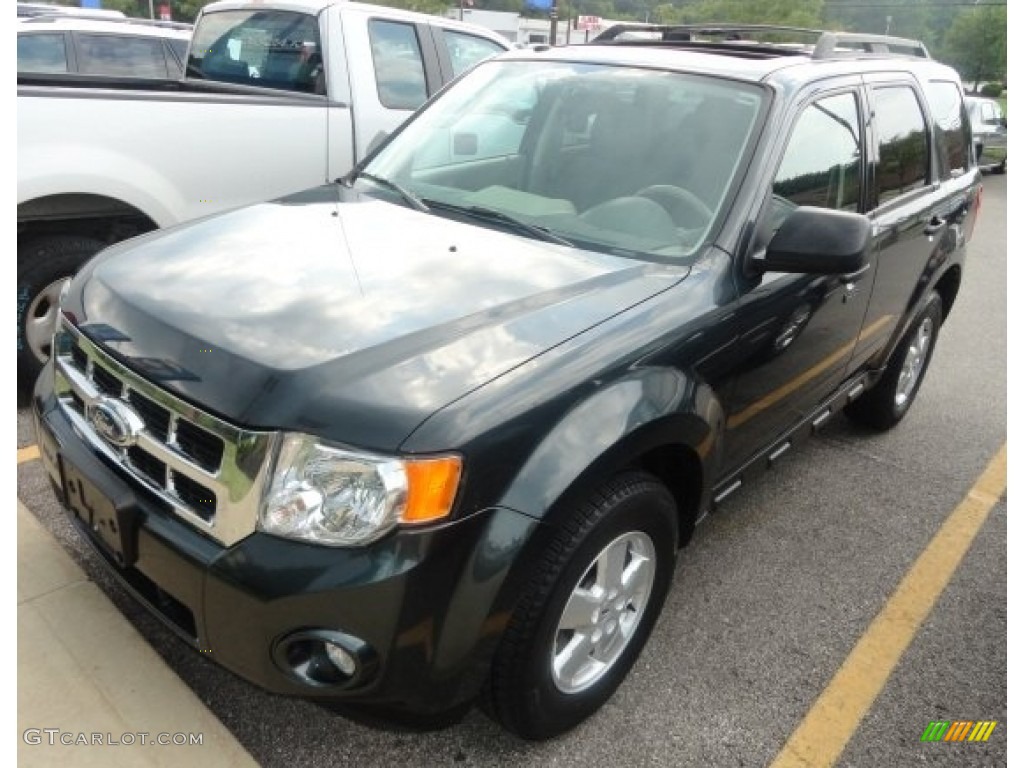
[(819, 241)]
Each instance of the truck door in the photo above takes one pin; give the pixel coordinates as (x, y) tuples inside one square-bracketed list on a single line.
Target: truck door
[(909, 209), (399, 71), (798, 332), (459, 50)]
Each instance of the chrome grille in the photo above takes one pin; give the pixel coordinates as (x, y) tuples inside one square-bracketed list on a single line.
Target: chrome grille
[(210, 472), (205, 449), (158, 420)]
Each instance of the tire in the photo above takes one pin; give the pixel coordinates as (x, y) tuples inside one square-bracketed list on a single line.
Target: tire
[(43, 265), (889, 400), (630, 520)]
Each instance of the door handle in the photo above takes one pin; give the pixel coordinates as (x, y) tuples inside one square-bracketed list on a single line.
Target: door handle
[(852, 277), (934, 225)]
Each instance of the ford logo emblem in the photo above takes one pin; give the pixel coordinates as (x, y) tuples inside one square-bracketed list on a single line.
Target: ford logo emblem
[(115, 422)]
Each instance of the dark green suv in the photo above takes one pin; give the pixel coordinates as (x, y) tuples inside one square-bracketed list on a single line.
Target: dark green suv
[(435, 434)]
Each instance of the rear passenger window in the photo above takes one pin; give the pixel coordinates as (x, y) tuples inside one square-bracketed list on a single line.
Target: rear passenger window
[(902, 142), (121, 56), (42, 53), (822, 164), (467, 50), (269, 49), (398, 64), (952, 126)]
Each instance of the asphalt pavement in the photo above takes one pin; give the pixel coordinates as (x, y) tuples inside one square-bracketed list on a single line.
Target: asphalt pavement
[(769, 599)]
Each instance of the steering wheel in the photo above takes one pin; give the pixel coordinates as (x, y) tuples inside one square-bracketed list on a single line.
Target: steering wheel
[(686, 209)]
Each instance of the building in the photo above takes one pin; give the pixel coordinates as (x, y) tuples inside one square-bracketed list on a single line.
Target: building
[(518, 29)]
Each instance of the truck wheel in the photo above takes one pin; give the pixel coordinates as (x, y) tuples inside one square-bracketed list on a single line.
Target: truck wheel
[(43, 266), (889, 400), (589, 609)]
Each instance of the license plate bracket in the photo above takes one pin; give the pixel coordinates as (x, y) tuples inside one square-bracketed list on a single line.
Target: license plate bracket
[(110, 525)]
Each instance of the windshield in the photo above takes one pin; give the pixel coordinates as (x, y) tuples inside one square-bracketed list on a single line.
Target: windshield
[(629, 161)]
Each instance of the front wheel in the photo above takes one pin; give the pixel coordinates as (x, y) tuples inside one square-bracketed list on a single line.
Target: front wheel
[(589, 609), (889, 400)]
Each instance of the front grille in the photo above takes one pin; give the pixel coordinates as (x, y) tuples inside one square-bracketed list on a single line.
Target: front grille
[(78, 358), (206, 449), (208, 471), (148, 465), (106, 382), (158, 420), (195, 495)]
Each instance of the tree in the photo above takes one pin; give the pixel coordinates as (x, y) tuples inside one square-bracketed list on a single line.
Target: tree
[(901, 18), (976, 44), (786, 13)]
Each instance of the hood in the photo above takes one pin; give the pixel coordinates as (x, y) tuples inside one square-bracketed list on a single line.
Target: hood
[(342, 316)]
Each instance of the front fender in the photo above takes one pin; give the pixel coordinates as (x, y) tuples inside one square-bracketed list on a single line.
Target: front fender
[(644, 410)]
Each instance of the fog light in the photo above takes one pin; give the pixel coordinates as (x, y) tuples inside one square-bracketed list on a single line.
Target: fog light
[(341, 658), (325, 657)]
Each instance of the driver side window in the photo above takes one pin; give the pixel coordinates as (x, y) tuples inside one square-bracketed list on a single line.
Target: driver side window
[(822, 163)]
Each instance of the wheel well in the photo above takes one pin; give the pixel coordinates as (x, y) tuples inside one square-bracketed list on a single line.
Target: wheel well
[(948, 287), (679, 468), (96, 216)]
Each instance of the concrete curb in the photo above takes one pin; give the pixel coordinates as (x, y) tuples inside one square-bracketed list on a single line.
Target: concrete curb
[(87, 675)]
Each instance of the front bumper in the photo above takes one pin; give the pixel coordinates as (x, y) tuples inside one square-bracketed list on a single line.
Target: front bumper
[(428, 604)]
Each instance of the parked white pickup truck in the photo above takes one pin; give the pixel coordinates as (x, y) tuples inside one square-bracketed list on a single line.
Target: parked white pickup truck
[(277, 96)]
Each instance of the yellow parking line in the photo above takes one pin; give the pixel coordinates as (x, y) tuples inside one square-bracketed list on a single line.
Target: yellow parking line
[(822, 735), (28, 453)]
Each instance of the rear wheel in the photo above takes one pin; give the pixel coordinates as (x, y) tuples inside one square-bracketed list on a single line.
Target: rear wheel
[(889, 400), (44, 264), (589, 610)]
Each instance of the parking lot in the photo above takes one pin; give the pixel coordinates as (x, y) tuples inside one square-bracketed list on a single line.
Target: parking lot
[(770, 599)]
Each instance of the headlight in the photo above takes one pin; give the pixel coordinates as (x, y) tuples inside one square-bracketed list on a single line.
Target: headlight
[(338, 497)]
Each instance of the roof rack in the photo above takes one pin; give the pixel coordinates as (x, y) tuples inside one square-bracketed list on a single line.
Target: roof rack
[(49, 18), (739, 38)]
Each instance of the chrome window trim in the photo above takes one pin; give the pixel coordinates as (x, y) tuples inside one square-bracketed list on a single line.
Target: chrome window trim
[(238, 483)]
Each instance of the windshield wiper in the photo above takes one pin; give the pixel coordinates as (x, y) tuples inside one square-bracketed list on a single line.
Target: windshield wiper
[(411, 199), (490, 214)]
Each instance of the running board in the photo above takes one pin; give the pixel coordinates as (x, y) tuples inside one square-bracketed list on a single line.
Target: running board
[(769, 457)]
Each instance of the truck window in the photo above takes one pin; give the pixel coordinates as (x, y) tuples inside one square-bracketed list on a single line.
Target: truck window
[(822, 163), (952, 126), (466, 50), (42, 53), (902, 142), (398, 65), (121, 56), (178, 49), (269, 49)]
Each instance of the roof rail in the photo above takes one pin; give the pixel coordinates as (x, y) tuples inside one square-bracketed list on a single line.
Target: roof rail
[(833, 45), (817, 43), (49, 18)]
